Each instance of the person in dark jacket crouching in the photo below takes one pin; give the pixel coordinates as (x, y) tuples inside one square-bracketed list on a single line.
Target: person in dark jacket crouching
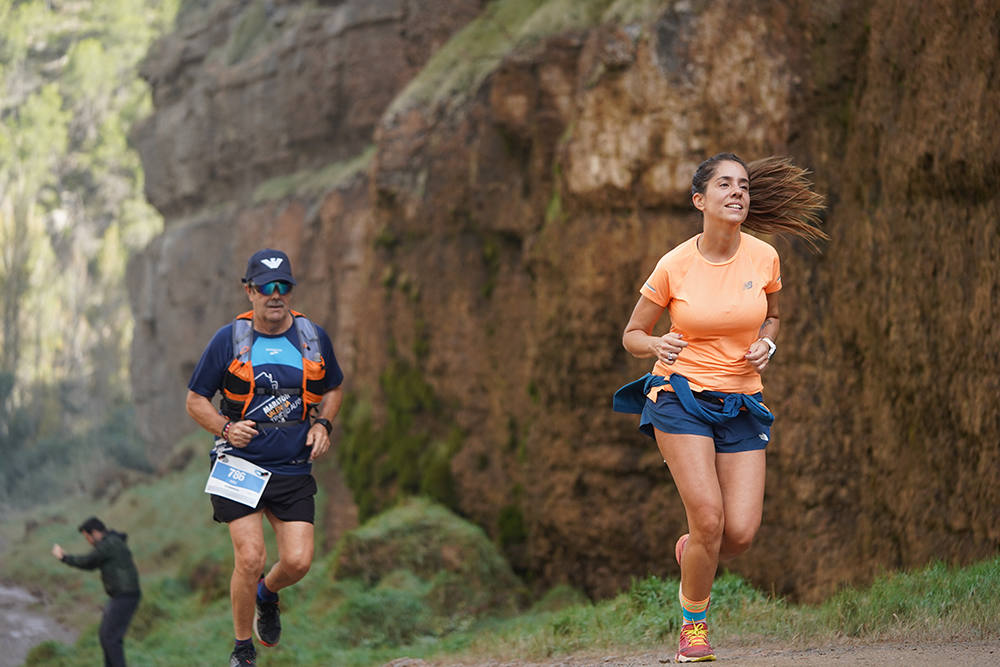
[(121, 582)]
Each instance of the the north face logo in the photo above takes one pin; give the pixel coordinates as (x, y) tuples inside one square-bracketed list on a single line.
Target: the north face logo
[(272, 262)]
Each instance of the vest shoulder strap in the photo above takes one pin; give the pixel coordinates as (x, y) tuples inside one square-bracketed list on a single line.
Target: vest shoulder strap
[(243, 336), (308, 338)]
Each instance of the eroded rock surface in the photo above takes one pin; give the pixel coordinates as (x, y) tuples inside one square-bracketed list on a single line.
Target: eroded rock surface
[(498, 246)]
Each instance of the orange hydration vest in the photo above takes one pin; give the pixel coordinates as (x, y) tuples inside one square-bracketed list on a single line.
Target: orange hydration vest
[(238, 387)]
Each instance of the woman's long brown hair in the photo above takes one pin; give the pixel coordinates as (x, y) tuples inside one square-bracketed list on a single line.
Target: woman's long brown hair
[(782, 200)]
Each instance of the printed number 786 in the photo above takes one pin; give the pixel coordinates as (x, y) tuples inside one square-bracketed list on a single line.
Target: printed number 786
[(238, 475)]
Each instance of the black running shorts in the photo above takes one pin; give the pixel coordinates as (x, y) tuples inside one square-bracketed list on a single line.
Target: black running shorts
[(288, 497)]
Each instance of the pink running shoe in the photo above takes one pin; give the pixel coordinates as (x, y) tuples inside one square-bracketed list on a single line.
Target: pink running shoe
[(693, 645), (679, 547)]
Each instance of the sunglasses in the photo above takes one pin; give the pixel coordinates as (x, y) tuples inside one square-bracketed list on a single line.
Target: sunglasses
[(279, 286)]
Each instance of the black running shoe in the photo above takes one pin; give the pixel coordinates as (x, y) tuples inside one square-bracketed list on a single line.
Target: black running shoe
[(267, 623), (243, 656)]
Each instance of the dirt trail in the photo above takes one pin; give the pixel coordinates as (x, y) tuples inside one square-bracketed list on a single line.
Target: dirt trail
[(22, 626), (891, 655)]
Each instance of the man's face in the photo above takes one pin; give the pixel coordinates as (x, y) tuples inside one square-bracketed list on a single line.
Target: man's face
[(270, 308), (91, 537)]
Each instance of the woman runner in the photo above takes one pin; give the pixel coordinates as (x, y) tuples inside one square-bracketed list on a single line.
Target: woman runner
[(702, 402)]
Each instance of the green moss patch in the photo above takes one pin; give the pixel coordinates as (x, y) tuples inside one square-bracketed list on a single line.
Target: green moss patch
[(401, 449), (456, 71), (422, 562), (312, 182)]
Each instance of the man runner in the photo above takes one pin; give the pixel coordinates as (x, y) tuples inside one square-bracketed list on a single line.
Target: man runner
[(281, 389)]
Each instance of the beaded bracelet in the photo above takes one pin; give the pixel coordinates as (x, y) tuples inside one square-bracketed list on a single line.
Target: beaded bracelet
[(225, 431)]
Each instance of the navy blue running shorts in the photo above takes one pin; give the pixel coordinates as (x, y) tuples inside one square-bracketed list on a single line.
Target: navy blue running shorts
[(742, 433), (289, 497)]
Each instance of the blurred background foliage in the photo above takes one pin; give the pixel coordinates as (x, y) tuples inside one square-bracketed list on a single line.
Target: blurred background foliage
[(72, 209)]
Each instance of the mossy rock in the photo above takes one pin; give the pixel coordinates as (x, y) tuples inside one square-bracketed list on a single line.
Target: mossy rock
[(463, 570)]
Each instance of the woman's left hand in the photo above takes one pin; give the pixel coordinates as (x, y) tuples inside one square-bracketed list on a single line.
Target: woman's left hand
[(757, 357)]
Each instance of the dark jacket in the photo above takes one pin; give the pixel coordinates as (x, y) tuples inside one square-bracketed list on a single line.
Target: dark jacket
[(118, 572)]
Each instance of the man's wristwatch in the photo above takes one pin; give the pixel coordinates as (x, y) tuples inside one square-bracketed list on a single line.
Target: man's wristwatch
[(771, 347), (325, 423)]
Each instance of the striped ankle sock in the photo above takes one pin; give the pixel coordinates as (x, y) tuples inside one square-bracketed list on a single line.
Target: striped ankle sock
[(693, 611)]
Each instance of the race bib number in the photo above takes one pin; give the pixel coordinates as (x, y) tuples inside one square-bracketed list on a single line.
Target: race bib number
[(236, 479)]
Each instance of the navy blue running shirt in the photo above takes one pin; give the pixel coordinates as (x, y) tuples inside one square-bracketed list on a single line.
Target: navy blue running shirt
[(277, 362)]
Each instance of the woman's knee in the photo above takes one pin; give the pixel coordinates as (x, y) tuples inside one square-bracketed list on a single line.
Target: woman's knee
[(736, 542), (707, 523)]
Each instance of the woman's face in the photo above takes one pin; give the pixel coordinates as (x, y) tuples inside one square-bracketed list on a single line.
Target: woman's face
[(727, 194)]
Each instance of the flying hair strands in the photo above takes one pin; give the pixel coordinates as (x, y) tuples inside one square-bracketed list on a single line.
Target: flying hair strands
[(782, 201)]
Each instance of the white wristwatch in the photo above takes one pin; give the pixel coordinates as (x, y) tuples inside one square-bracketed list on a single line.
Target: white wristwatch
[(771, 347)]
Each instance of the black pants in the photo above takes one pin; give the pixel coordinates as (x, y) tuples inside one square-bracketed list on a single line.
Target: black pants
[(117, 615)]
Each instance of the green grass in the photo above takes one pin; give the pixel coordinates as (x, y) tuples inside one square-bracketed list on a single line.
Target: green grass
[(899, 606), (419, 581)]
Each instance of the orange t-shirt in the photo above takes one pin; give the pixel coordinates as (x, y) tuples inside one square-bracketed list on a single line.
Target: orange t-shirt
[(719, 307)]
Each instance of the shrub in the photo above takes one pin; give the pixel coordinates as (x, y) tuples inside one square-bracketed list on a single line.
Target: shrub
[(422, 551)]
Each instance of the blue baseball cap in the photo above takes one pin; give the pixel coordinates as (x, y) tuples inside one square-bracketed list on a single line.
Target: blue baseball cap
[(267, 265)]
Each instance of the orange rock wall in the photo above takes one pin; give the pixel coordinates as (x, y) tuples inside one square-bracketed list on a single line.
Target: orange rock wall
[(499, 246)]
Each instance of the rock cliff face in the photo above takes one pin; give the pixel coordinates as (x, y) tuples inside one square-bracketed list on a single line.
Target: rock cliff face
[(256, 100), (496, 245)]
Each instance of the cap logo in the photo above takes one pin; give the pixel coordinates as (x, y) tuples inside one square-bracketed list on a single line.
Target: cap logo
[(272, 262)]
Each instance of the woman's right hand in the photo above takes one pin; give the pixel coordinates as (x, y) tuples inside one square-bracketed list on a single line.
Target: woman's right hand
[(667, 347)]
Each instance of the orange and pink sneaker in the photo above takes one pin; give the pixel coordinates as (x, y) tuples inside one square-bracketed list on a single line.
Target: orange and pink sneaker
[(693, 645), (679, 547)]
